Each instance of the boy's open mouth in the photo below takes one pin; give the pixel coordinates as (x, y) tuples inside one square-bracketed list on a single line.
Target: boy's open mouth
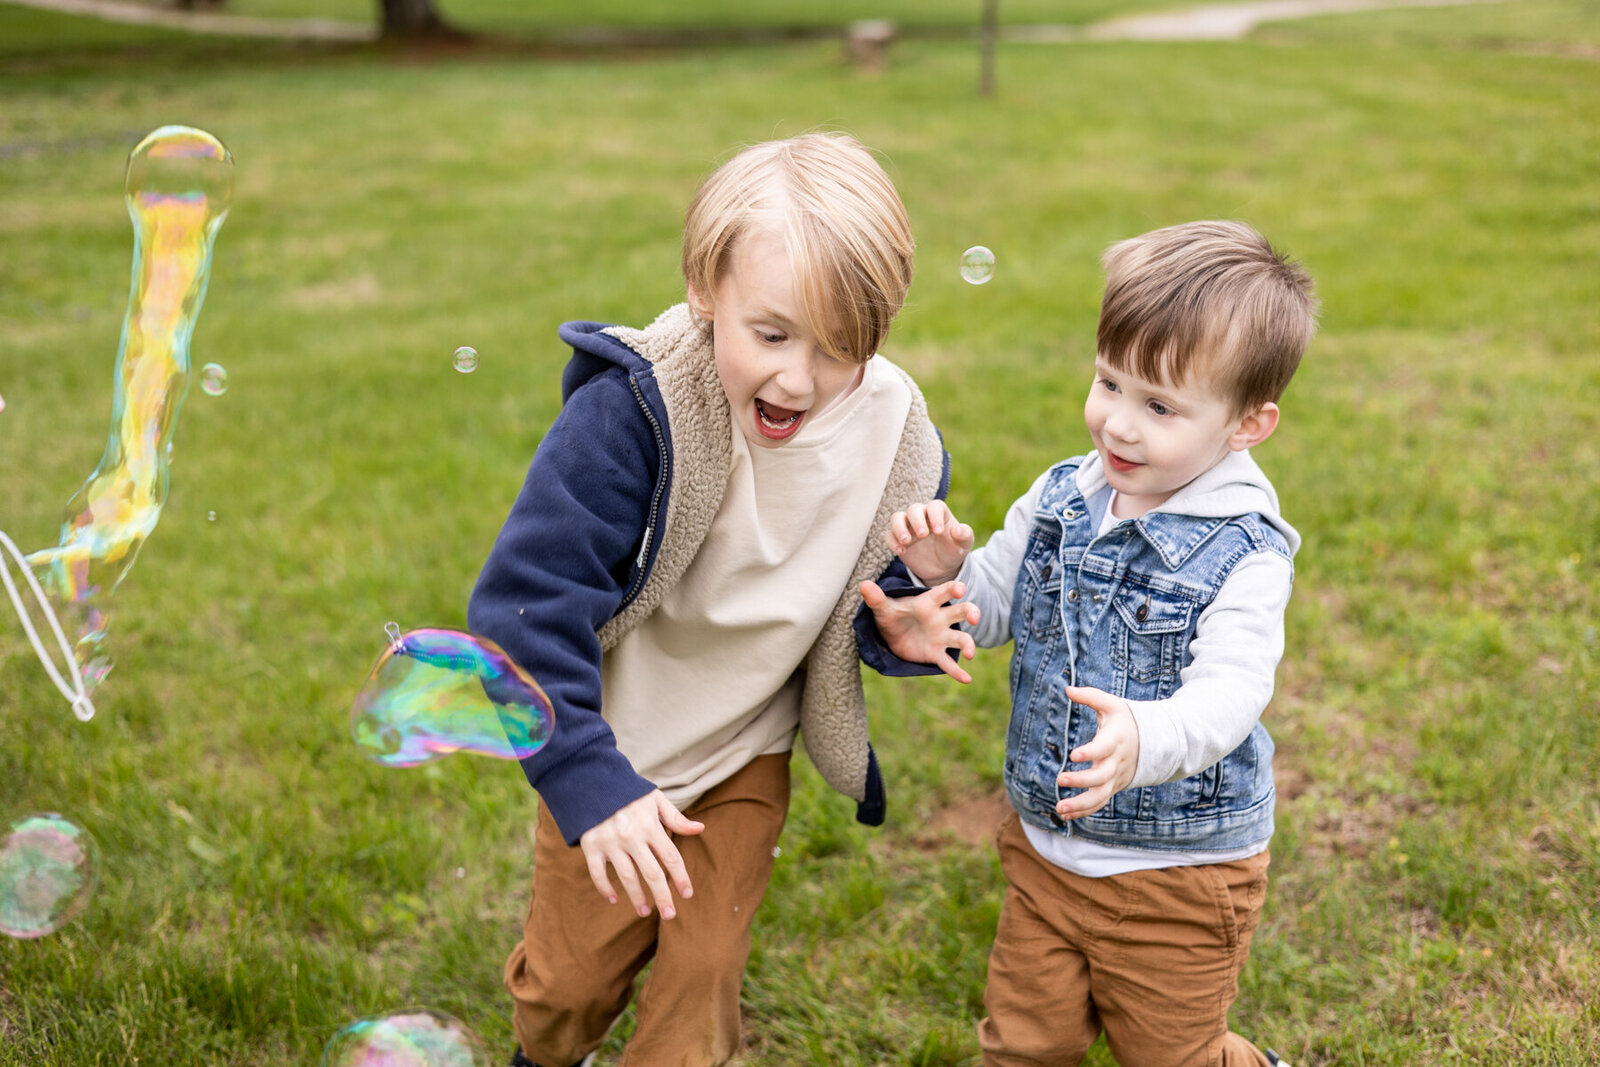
[(1118, 463), (776, 423)]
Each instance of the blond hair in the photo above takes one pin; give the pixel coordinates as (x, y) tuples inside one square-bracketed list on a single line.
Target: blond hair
[(1212, 298), (846, 231)]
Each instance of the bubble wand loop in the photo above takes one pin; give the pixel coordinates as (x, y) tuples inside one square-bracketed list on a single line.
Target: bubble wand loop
[(76, 694)]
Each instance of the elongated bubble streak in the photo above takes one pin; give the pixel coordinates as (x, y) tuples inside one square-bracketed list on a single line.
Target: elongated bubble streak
[(434, 692), (179, 187)]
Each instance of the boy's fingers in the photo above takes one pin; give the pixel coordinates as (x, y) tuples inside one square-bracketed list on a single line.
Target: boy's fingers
[(953, 669), (873, 595), (597, 874)]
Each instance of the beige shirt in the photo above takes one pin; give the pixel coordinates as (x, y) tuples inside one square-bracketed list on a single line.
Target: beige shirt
[(708, 681)]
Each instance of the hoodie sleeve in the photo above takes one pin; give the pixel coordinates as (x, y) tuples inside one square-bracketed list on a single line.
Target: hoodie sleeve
[(1226, 686), (558, 571)]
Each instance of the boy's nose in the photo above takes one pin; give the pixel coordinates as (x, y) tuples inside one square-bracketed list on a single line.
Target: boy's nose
[(797, 375)]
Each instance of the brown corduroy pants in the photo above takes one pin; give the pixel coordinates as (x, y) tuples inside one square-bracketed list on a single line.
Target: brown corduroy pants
[(573, 972), (1151, 957)]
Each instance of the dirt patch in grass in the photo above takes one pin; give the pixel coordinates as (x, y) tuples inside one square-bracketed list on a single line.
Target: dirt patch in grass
[(969, 821)]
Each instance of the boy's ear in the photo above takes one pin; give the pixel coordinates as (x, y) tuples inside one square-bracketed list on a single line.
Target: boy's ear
[(1254, 427), (700, 304)]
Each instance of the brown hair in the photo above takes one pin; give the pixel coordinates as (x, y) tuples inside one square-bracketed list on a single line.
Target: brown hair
[(847, 233), (1212, 298)]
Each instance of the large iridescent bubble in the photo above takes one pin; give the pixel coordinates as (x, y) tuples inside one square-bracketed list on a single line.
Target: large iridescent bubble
[(178, 190), (434, 692), (417, 1037), (49, 867)]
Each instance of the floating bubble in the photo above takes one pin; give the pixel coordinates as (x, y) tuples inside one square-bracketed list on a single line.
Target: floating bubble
[(49, 867), (416, 1037), (178, 190), (214, 379), (434, 692), (977, 264), (466, 359), (2, 403), (211, 516)]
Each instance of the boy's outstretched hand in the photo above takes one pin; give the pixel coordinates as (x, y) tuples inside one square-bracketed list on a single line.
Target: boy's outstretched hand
[(929, 540), (919, 629), (1113, 754), (635, 842)]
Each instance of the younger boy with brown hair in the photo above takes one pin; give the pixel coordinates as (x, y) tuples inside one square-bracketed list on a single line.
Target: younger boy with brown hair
[(1144, 587)]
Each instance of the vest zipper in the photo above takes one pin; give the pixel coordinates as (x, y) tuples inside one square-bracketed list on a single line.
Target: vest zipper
[(655, 496)]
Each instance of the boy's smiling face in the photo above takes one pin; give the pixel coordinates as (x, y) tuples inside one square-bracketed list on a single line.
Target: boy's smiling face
[(1154, 438), (775, 372)]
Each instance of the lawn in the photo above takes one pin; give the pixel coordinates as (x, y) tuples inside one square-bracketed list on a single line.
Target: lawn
[(1436, 870)]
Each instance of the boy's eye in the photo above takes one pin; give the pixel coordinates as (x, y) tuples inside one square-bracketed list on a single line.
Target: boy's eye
[(771, 338), (1159, 408), (1109, 384)]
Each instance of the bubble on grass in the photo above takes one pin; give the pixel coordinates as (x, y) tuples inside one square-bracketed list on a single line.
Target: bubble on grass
[(434, 691), (776, 851), (466, 359), (49, 867), (2, 403), (214, 379), (415, 1037), (977, 264)]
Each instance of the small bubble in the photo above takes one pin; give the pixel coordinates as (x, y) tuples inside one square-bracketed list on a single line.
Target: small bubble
[(466, 359), (2, 403), (211, 516), (461, 872), (776, 851), (977, 264), (213, 379)]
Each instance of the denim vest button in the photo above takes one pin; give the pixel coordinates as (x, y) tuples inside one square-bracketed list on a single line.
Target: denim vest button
[(1044, 575), (1054, 749), (1143, 613), (1057, 819), (1095, 597), (1072, 594)]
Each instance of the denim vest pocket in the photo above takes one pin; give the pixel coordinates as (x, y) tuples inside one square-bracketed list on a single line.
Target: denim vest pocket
[(1147, 649)]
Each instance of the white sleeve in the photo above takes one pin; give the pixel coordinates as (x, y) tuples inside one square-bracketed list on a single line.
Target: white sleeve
[(1237, 644), (990, 572)]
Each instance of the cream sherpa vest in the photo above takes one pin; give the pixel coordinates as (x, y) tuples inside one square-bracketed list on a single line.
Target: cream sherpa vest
[(833, 707)]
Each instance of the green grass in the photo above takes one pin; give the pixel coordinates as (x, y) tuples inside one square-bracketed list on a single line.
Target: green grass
[(1438, 853)]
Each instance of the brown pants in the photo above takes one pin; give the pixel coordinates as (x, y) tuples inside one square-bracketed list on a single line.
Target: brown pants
[(1151, 957), (572, 974)]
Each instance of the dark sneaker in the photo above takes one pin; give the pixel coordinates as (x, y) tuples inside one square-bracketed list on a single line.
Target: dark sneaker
[(1276, 1060)]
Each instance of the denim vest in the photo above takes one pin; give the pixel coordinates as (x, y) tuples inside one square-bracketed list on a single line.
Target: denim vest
[(1117, 613)]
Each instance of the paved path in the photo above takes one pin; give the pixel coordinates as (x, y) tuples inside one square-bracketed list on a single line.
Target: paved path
[(1215, 22), (210, 22)]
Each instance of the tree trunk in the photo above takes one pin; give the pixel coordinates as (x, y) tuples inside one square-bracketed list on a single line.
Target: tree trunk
[(412, 18)]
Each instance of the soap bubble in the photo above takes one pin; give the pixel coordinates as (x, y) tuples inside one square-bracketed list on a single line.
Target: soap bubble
[(49, 867), (2, 403), (179, 185), (415, 1037), (214, 379), (434, 692), (977, 264), (466, 359)]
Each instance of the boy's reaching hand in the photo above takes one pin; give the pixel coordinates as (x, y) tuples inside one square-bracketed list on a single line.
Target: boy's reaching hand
[(1112, 754), (635, 842), (920, 629), (930, 541)]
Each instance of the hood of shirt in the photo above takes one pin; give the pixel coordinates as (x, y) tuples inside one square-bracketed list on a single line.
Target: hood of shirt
[(1235, 486)]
